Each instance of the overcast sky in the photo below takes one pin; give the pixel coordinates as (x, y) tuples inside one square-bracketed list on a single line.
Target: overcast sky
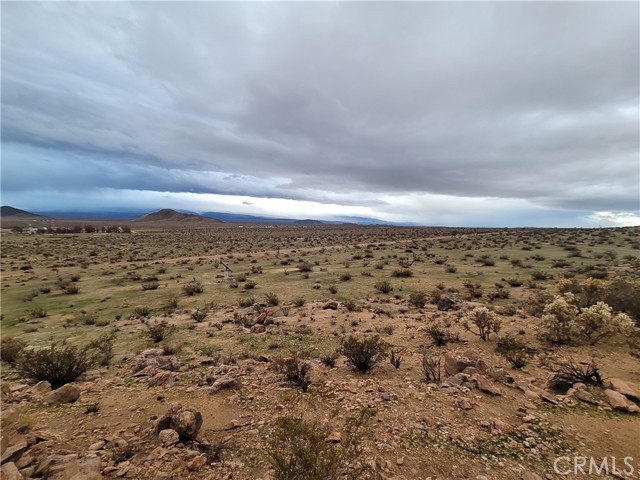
[(499, 113)]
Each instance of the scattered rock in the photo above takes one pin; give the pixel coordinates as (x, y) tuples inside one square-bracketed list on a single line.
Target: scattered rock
[(626, 389), (150, 365), (445, 304), (486, 385), (620, 402), (97, 445), (184, 420), (224, 383), (464, 404), (13, 453), (334, 437), (163, 378), (456, 361), (68, 393), (330, 305), (197, 463), (168, 437), (584, 396), (257, 328), (10, 472)]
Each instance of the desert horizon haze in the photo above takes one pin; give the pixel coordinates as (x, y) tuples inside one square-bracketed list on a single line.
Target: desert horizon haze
[(431, 113)]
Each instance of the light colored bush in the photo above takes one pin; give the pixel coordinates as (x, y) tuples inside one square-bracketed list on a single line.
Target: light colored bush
[(484, 320)]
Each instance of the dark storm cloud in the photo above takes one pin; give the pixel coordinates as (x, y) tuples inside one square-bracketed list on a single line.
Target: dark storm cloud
[(317, 101)]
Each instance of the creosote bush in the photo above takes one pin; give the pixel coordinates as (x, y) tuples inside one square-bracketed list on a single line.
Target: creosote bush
[(299, 450), (272, 299), (159, 331), (10, 348), (418, 299), (431, 367), (102, 348), (364, 353), (296, 370), (484, 320), (383, 286), (57, 365), (192, 288)]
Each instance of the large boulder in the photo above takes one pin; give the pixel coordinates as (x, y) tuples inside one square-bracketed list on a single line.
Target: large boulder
[(68, 393), (184, 420), (620, 402), (456, 361), (627, 389)]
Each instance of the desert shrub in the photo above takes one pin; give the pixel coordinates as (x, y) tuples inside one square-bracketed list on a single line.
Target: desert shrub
[(305, 267), (585, 293), (193, 288), (57, 365), (403, 273), (534, 305), (246, 302), (298, 302), (142, 311), (431, 367), (37, 312), (299, 450), (514, 282), (383, 286), (72, 289), (102, 348), (249, 285), (364, 353), (450, 268), (418, 299), (296, 371), (597, 322), (333, 289), (241, 277), (272, 299), (329, 359), (540, 275), (352, 306), (199, 315), (396, 357), (623, 296), (345, 277), (442, 335), (10, 348), (513, 350), (559, 320), (159, 331), (484, 320), (498, 293), (152, 285), (566, 373), (388, 329)]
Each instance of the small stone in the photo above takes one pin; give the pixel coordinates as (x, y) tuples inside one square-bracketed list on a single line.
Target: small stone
[(97, 445), (334, 437), (527, 475), (197, 463), (224, 383), (169, 437), (464, 404), (486, 385), (624, 388)]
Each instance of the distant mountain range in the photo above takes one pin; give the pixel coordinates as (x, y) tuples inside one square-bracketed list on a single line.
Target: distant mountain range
[(167, 215)]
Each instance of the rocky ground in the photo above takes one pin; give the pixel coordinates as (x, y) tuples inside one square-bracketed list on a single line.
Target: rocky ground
[(154, 415)]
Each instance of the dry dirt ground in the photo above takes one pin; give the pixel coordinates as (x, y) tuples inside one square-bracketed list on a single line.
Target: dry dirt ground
[(495, 422)]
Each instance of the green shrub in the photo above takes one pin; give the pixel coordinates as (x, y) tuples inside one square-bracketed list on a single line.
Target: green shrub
[(150, 285), (246, 302), (299, 450), (72, 289), (418, 299), (345, 277), (193, 288), (10, 348), (199, 315), (402, 273), (57, 365), (296, 370), (299, 302), (271, 299), (484, 320), (365, 353), (142, 312), (159, 331), (102, 348), (383, 286)]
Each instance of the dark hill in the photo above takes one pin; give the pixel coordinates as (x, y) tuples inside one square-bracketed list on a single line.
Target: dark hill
[(168, 216), (8, 211)]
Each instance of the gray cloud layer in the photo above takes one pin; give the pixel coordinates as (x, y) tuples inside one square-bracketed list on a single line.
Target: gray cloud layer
[(535, 101)]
